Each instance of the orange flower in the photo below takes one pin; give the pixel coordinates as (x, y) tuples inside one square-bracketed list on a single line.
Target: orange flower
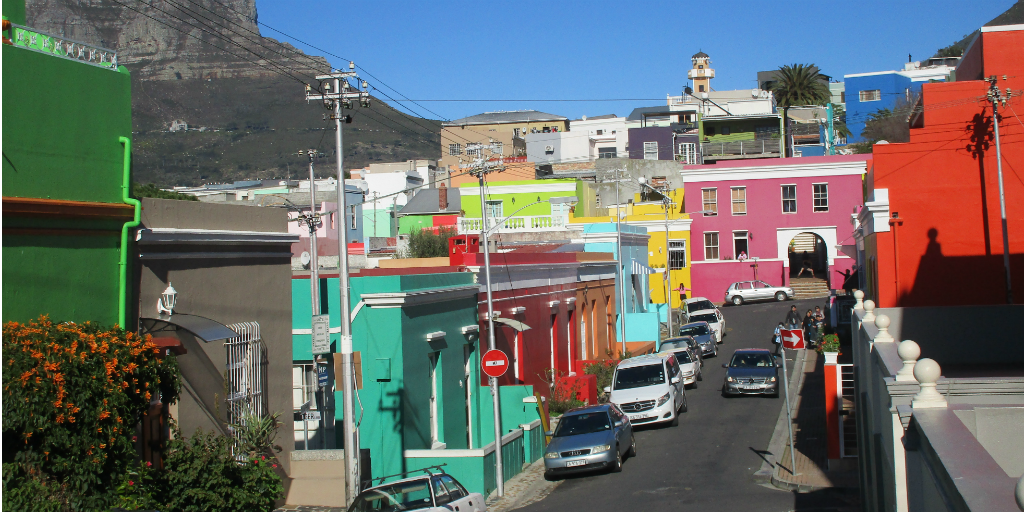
[(104, 415)]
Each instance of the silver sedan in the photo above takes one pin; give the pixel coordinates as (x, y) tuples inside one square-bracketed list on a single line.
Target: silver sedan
[(745, 291)]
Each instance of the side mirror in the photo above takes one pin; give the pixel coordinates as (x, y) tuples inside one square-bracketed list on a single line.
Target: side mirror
[(619, 424), (725, 365), (675, 380), (607, 389), (549, 433)]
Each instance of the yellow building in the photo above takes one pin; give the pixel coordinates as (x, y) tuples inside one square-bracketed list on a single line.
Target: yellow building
[(673, 255)]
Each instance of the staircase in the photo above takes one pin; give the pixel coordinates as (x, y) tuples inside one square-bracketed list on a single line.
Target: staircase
[(809, 288)]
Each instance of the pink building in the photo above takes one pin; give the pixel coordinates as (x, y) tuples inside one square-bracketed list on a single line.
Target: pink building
[(781, 215)]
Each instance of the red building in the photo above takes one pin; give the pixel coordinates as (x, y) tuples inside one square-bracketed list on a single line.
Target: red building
[(930, 232)]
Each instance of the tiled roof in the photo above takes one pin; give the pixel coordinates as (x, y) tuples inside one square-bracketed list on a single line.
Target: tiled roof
[(515, 116)]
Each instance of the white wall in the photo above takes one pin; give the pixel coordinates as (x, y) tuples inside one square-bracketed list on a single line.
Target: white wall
[(580, 143)]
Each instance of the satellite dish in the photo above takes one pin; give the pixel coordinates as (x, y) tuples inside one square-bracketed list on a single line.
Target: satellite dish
[(305, 259)]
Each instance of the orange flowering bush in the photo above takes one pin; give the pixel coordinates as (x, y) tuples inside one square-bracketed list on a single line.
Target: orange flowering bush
[(73, 395)]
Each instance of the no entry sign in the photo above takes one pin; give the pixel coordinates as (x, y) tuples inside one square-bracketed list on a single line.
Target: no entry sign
[(792, 338), (495, 363)]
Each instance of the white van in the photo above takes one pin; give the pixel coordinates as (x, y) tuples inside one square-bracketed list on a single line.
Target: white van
[(649, 389)]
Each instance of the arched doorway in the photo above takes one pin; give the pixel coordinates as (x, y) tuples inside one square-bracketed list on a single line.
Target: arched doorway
[(808, 256)]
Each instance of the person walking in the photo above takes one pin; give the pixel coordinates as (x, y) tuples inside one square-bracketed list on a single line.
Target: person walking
[(793, 318), (809, 329), (778, 338)]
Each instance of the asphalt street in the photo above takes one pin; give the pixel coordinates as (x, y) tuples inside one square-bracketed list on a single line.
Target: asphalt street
[(707, 462)]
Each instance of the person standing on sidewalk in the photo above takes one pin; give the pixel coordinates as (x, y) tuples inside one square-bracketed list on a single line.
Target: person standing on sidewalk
[(793, 318), (778, 338), (809, 328)]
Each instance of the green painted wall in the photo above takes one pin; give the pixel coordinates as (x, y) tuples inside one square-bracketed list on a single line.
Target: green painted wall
[(513, 202), (414, 223), (738, 130), (62, 120), (378, 222), (14, 10)]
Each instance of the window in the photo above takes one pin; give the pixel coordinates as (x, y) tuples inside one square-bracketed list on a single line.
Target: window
[(709, 130), (676, 254), (495, 211), (821, 197), (726, 130), (739, 244), (687, 153), (710, 197), (739, 200), (872, 95), (743, 286), (651, 150), (600, 132), (454, 149), (789, 199), (711, 246), (515, 132), (700, 66), (700, 88), (474, 150), (497, 148), (352, 217), (610, 152)]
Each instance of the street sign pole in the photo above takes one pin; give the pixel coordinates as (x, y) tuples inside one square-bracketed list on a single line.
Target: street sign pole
[(789, 416)]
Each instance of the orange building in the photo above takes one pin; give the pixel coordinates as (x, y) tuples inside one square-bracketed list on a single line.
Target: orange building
[(930, 232)]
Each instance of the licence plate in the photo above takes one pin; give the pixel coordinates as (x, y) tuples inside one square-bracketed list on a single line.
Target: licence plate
[(751, 387), (638, 416), (574, 463)]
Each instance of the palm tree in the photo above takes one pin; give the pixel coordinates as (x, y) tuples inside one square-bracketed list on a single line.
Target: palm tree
[(798, 84)]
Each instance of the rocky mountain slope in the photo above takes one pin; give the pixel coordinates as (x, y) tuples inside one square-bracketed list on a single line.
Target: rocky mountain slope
[(204, 63)]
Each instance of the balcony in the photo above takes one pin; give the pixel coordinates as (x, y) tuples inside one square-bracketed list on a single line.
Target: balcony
[(531, 224), (700, 73), (741, 149), (57, 46)]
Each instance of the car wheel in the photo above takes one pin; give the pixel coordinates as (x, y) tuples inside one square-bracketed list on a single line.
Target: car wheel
[(737, 300), (780, 296), (675, 421), (700, 376), (632, 447), (684, 408), (775, 394), (617, 465), (549, 476)]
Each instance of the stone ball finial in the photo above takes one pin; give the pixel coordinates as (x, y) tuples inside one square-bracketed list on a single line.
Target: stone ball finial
[(882, 322), (859, 295), (927, 373), (869, 310), (1019, 493), (909, 351)]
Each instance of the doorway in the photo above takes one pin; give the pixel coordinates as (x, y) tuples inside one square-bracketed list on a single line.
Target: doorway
[(432, 362), (808, 257)]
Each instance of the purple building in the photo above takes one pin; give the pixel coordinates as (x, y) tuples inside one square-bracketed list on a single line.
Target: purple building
[(775, 218)]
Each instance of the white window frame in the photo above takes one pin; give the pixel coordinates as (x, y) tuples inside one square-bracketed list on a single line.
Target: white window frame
[(352, 217), (497, 148), (817, 197), (716, 247), (740, 235), (870, 95), (651, 149), (704, 201), (782, 192), (500, 209), (734, 201), (454, 149), (680, 247), (687, 153), (473, 151)]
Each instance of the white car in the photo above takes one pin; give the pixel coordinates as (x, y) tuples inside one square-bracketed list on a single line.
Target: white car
[(649, 389), (689, 362), (436, 491), (714, 318), (695, 304)]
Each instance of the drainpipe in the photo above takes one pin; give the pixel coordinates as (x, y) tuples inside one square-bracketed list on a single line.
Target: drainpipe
[(122, 281), (893, 222)]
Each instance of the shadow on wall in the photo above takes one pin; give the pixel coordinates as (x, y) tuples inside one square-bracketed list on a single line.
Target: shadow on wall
[(956, 280), (979, 131)]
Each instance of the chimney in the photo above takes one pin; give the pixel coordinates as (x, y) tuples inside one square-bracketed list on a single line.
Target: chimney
[(442, 198)]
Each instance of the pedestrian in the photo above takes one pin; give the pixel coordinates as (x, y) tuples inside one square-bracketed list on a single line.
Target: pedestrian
[(806, 267), (793, 318), (778, 338), (809, 328), (682, 293)]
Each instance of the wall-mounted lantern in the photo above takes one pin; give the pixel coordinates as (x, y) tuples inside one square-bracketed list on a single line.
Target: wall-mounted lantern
[(165, 304)]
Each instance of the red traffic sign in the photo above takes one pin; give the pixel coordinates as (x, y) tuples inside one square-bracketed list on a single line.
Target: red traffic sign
[(792, 338), (495, 363)]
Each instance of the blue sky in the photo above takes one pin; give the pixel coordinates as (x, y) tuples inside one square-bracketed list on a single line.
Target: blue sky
[(610, 50)]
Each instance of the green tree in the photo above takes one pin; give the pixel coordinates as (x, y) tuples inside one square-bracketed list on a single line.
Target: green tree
[(798, 84), (427, 244)]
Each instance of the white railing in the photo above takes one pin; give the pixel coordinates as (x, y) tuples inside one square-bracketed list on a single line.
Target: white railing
[(533, 223)]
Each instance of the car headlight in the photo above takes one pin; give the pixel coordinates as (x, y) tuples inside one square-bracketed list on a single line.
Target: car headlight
[(729, 379), (600, 449), (664, 398), (688, 374), (551, 455), (771, 379)]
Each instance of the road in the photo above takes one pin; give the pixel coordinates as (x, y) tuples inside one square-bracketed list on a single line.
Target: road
[(707, 462)]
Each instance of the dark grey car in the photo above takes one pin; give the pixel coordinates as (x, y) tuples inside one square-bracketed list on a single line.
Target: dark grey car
[(702, 334), (751, 371), (588, 438)]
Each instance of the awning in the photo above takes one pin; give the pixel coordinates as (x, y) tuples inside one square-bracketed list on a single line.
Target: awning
[(200, 327), (640, 268), (515, 324)]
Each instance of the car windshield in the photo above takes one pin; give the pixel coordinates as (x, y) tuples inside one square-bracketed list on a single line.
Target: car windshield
[(695, 330), (708, 317), (683, 357), (672, 345), (578, 424), (401, 496), (699, 305), (751, 361), (639, 376)]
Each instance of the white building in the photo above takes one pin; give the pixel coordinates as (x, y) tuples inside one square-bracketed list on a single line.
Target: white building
[(587, 140)]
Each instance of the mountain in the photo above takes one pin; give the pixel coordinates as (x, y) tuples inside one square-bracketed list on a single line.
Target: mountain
[(203, 63)]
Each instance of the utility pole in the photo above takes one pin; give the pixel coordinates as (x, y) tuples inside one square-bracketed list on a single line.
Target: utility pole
[(482, 170), (620, 264), (336, 99), (667, 280), (996, 97), (314, 275), (830, 137)]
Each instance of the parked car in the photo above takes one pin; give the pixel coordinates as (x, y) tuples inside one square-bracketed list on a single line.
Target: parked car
[(589, 438), (702, 333), (689, 362), (715, 320), (649, 389), (695, 304), (751, 371), (436, 491), (745, 291)]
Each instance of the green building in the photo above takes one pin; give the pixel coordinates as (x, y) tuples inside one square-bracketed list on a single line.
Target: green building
[(424, 402), (67, 157), (528, 201), (430, 208)]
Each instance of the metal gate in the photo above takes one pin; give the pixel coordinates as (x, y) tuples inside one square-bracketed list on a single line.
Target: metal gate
[(246, 375), (847, 412)]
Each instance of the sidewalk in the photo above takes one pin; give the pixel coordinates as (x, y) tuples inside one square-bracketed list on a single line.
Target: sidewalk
[(523, 489), (807, 399)]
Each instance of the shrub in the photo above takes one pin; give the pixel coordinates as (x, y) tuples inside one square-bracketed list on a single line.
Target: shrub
[(603, 371), (427, 244), (74, 393), (564, 398), (829, 343)]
